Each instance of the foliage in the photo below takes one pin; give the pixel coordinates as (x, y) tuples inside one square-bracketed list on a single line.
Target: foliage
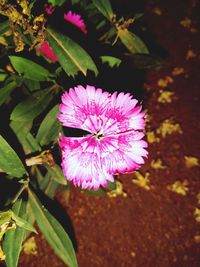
[(30, 88)]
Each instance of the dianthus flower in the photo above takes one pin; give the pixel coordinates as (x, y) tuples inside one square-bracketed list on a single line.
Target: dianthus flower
[(76, 20), (49, 9), (114, 144), (47, 51)]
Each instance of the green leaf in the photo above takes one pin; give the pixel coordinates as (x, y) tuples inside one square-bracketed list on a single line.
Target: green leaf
[(132, 42), (13, 239), (31, 85), (30, 144), (56, 2), (30, 69), (138, 16), (104, 7), (4, 27), (3, 76), (49, 128), (23, 223), (30, 218), (9, 161), (111, 61), (5, 222), (53, 232), (51, 188), (32, 106), (75, 2), (6, 91), (111, 186), (91, 192), (5, 217), (144, 61), (46, 183), (21, 129), (57, 174), (72, 56)]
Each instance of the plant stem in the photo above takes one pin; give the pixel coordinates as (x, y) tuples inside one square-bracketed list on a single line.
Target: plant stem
[(24, 186)]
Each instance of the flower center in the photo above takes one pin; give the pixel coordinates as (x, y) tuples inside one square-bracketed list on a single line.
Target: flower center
[(99, 135)]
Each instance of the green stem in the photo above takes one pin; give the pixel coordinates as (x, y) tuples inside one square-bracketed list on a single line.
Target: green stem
[(24, 186)]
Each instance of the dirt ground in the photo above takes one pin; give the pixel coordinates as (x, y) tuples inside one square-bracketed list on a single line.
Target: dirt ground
[(156, 221)]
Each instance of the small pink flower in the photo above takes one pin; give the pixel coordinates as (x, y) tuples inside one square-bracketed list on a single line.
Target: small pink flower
[(114, 145), (47, 51), (49, 9), (76, 20)]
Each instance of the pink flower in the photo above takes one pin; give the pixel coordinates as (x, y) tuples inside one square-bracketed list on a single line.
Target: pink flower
[(114, 144), (49, 9), (47, 51), (76, 20)]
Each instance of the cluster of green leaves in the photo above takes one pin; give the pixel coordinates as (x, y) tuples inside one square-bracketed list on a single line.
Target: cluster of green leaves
[(30, 88)]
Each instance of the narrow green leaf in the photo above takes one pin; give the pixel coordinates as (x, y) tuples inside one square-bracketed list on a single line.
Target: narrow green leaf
[(46, 183), (30, 144), (31, 84), (132, 42), (30, 69), (21, 129), (13, 238), (56, 2), (5, 217), (111, 186), (30, 218), (51, 188), (23, 223), (32, 106), (6, 91), (9, 161), (75, 2), (104, 6), (3, 76), (57, 174), (53, 232), (4, 27), (111, 61), (144, 61), (5, 222), (42, 180), (99, 192), (49, 128), (72, 56)]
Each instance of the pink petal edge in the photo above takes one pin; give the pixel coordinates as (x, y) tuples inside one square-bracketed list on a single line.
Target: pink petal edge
[(75, 19), (115, 145)]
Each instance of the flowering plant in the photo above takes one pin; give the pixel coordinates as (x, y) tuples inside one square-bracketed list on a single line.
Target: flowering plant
[(40, 59)]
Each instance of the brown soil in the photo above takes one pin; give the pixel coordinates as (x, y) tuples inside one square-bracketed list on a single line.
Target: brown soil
[(156, 227)]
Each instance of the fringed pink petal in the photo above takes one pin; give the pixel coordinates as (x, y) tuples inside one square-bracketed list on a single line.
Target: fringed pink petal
[(115, 144), (49, 9), (47, 51), (81, 162), (76, 20)]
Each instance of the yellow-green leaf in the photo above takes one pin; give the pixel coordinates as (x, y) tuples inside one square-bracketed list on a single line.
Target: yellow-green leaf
[(13, 239), (104, 7), (53, 232), (9, 161), (132, 42), (32, 106), (49, 128), (29, 69), (72, 56)]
